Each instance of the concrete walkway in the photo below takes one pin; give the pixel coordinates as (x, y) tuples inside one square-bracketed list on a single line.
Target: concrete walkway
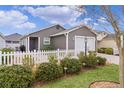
[(110, 58)]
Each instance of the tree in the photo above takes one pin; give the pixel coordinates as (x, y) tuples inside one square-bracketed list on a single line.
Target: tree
[(115, 21), (118, 36)]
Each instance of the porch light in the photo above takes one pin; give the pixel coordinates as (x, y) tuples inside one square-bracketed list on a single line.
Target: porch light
[(83, 64), (65, 68)]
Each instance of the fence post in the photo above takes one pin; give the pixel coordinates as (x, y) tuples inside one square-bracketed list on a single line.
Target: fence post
[(58, 56), (0, 57)]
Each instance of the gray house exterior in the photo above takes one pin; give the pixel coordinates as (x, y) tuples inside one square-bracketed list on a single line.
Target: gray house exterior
[(34, 41), (61, 38)]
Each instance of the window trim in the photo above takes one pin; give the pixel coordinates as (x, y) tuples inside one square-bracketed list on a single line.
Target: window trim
[(46, 41)]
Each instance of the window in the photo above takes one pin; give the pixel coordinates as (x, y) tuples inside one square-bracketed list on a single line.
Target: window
[(15, 42), (8, 41), (46, 41)]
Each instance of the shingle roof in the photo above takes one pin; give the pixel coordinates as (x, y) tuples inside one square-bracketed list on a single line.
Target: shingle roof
[(110, 36), (13, 37), (72, 29), (43, 29), (98, 32)]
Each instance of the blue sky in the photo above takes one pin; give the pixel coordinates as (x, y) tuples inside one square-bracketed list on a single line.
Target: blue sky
[(26, 19)]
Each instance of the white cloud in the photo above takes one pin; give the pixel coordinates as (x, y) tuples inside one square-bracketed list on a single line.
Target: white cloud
[(95, 24), (55, 14), (87, 20), (26, 25), (102, 20), (15, 19)]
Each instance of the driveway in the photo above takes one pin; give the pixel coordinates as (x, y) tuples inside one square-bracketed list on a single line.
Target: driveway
[(110, 58)]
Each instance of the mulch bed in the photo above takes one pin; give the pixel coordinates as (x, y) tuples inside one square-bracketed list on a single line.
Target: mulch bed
[(104, 84)]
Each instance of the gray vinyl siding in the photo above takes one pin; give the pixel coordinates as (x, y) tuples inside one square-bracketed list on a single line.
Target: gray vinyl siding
[(60, 41), (80, 32), (45, 33)]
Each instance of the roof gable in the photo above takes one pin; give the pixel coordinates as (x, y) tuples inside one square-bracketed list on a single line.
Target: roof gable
[(13, 37), (73, 29), (43, 29)]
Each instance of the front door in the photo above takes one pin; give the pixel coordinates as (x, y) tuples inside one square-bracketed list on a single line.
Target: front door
[(33, 43)]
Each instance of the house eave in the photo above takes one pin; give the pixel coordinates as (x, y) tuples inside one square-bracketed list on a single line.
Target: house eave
[(41, 30), (68, 31)]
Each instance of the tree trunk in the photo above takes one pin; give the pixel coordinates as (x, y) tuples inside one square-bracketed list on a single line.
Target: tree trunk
[(121, 67)]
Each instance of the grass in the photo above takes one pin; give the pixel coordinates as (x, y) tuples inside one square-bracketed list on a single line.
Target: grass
[(83, 79)]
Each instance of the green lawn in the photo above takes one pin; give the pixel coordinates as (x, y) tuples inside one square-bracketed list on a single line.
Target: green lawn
[(109, 72)]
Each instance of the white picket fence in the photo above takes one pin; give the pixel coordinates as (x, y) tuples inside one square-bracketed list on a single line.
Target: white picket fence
[(35, 56)]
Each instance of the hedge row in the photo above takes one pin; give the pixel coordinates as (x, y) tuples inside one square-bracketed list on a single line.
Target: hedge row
[(105, 50), (15, 77), (91, 60)]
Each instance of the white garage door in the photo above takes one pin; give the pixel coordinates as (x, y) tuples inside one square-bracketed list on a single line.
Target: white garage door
[(80, 44), (91, 43)]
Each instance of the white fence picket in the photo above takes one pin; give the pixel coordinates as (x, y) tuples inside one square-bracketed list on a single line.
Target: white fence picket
[(11, 58), (33, 56)]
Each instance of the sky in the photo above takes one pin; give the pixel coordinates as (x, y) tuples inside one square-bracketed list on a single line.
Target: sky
[(27, 19)]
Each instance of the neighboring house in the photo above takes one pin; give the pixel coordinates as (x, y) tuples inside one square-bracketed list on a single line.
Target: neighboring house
[(101, 35), (106, 39), (2, 41), (108, 42), (75, 38), (13, 41)]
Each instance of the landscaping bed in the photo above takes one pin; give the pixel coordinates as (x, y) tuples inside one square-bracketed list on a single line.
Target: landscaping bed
[(85, 78), (104, 84), (70, 73)]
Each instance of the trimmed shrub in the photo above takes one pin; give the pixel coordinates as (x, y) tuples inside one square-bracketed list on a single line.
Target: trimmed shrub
[(101, 61), (105, 50), (92, 53), (81, 56), (48, 47), (109, 51), (7, 50), (52, 59), (48, 71), (101, 50), (72, 65), (89, 61), (15, 76)]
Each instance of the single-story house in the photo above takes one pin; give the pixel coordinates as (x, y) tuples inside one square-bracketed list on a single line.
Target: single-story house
[(2, 41), (13, 41), (78, 38)]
